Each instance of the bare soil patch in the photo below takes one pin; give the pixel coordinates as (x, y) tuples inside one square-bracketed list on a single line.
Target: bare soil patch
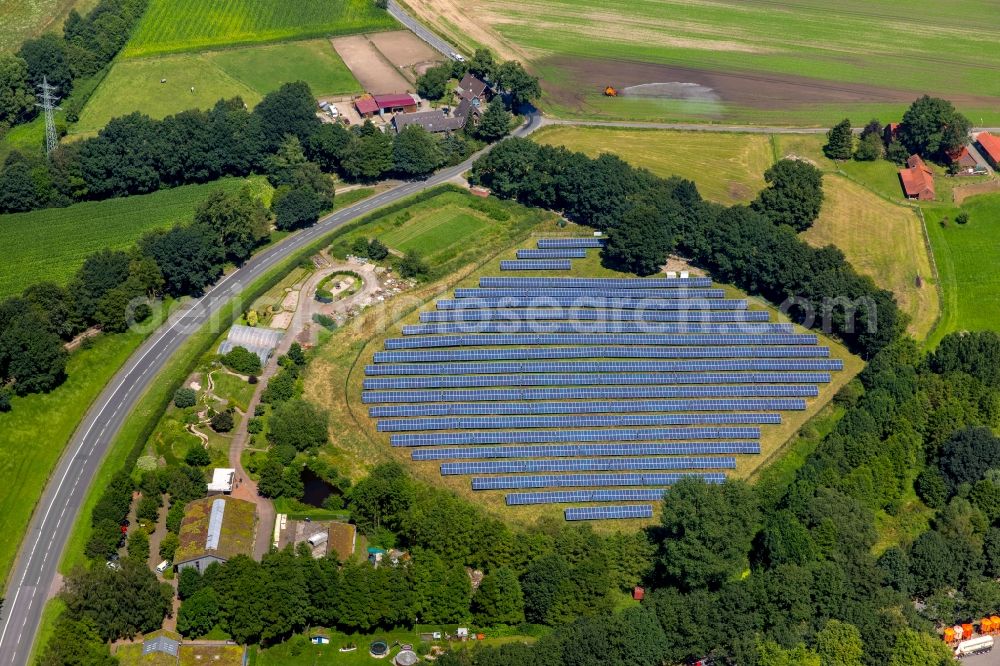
[(410, 54), (963, 192), (757, 90), (369, 66)]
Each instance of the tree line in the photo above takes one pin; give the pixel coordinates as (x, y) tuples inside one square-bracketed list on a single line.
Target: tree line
[(86, 46), (755, 247)]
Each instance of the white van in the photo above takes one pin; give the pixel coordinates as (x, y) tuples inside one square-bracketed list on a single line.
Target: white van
[(162, 566)]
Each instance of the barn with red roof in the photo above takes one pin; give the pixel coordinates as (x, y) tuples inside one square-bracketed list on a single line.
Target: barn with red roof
[(917, 180)]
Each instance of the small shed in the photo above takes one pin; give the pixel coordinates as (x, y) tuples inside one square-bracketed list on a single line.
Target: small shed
[(222, 481)]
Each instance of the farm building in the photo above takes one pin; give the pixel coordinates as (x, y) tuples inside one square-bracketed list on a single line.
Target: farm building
[(260, 341), (917, 180), (432, 121), (990, 147), (963, 160), (371, 105), (222, 481), (472, 87), (215, 529)]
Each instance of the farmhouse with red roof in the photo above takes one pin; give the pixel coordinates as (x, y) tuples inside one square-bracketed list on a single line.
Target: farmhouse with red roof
[(917, 179)]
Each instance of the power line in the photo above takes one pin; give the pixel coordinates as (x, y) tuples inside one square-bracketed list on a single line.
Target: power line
[(48, 105)]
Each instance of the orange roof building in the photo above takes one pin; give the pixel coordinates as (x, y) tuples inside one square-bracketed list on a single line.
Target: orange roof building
[(917, 180), (963, 158), (990, 146)]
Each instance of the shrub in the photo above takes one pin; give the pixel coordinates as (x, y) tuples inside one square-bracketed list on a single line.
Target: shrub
[(197, 455), (255, 426), (329, 323), (359, 248), (962, 218), (260, 410), (252, 379), (138, 546), (412, 265), (185, 397), (223, 421), (324, 296), (296, 354), (168, 546), (149, 508), (243, 361), (377, 250)]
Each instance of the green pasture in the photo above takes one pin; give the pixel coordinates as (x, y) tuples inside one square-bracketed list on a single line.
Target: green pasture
[(435, 230), (165, 85), (51, 244), (171, 26), (24, 19)]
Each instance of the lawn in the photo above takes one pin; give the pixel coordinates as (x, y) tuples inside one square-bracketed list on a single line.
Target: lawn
[(199, 80), (728, 168), (72, 233), (23, 19), (170, 26), (34, 433), (967, 257), (778, 60), (882, 240), (435, 231), (334, 377), (232, 388)]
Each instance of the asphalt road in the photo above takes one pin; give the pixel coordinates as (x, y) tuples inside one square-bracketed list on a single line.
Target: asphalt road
[(419, 30), (58, 510)]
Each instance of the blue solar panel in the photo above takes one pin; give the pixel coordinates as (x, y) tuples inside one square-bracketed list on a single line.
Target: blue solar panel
[(586, 465), (577, 420), (543, 294), (573, 450), (567, 496), (526, 339), (611, 512), (585, 480), (537, 353), (603, 392), (587, 301), (502, 315), (598, 326), (568, 253), (596, 435), (588, 407), (470, 381), (523, 367), (548, 243), (535, 265), (592, 283)]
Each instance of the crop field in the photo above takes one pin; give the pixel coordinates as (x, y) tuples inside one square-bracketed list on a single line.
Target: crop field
[(74, 232), (728, 168), (435, 231), (23, 19), (199, 80), (967, 257), (882, 240), (755, 60), (171, 26)]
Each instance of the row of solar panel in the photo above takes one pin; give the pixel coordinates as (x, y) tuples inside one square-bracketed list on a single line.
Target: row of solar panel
[(471, 381), (599, 326), (587, 465), (568, 496), (556, 314), (596, 435), (542, 294), (567, 253), (528, 339), (510, 367), (579, 420), (574, 450), (594, 302), (584, 480), (598, 393), (535, 265), (592, 283), (587, 407), (611, 512), (535, 353), (544, 243)]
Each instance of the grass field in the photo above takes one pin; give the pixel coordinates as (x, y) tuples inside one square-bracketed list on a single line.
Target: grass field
[(171, 26), (435, 230), (334, 377), (70, 234), (23, 19), (882, 240), (728, 168), (781, 60), (968, 256), (247, 72)]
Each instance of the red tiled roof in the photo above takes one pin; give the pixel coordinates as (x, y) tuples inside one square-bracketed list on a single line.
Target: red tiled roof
[(917, 181), (963, 157), (915, 162), (393, 100), (366, 104), (990, 144)]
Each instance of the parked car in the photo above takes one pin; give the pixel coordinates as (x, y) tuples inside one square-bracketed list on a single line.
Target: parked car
[(114, 566), (162, 566)]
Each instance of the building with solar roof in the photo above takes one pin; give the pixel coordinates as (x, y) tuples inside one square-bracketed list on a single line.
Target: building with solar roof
[(215, 529)]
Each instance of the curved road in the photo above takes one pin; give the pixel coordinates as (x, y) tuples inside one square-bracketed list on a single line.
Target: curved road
[(58, 509)]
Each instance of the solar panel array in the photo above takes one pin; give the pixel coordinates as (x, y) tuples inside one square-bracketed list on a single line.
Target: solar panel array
[(603, 389), (550, 243), (567, 253)]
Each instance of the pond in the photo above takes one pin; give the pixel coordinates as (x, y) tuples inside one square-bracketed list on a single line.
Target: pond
[(316, 489)]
